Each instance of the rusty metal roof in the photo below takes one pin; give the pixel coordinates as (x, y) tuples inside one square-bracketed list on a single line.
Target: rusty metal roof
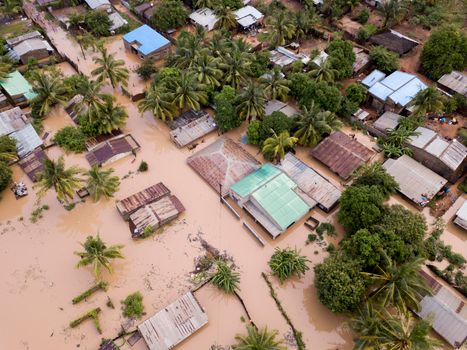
[(105, 151), (33, 164), (132, 203)]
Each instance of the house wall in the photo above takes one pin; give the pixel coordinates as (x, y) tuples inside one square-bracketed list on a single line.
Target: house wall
[(37, 54), (161, 53)]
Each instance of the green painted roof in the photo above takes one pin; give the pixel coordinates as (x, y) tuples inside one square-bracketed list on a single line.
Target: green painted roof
[(256, 179), (15, 84), (279, 200)]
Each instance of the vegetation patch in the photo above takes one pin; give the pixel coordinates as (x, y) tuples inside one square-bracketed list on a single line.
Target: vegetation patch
[(99, 286), (93, 314), (288, 262), (37, 213), (133, 305)]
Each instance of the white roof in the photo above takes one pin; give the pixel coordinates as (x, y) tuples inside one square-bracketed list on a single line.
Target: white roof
[(321, 58), (388, 121), (247, 16), (461, 216), (94, 4), (32, 45), (27, 140), (283, 57), (455, 81), (205, 18), (372, 78), (424, 137), (117, 21)]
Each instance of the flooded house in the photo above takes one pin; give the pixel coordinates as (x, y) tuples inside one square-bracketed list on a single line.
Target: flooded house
[(17, 89), (146, 42), (205, 18), (362, 60), (454, 83), (448, 158), (155, 215), (248, 17), (460, 219), (416, 182), (103, 5), (394, 41), (191, 126), (112, 150), (28, 46), (283, 57), (33, 164), (223, 163), (130, 204), (342, 154), (388, 121), (394, 92), (279, 106), (271, 197), (12, 120), (117, 22), (141, 9), (174, 323)]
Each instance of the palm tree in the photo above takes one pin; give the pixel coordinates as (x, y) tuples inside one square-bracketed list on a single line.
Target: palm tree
[(110, 117), (288, 262), (186, 49), (201, 4), (101, 183), (110, 68), (324, 71), (392, 11), (258, 340), (206, 69), (399, 285), (276, 86), (50, 91), (366, 323), (217, 44), (64, 181), (303, 22), (5, 70), (75, 19), (159, 102), (187, 92), (312, 124), (279, 28), (251, 102), (85, 41), (427, 101), (97, 254), (11, 7), (225, 278), (275, 147), (236, 66), (92, 101), (225, 18)]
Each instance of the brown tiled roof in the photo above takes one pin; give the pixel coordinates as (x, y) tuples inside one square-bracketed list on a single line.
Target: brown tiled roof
[(33, 163), (223, 162), (341, 154)]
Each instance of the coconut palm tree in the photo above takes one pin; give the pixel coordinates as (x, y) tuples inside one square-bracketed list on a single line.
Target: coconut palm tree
[(279, 28), (258, 340), (303, 22), (101, 183), (236, 66), (110, 68), (276, 86), (324, 71), (217, 44), (225, 278), (206, 68), (225, 18), (7, 148), (64, 181), (98, 255), (201, 4), (366, 323), (312, 124), (251, 102), (5, 70), (393, 12), (50, 91), (92, 99), (187, 92), (186, 49), (276, 146), (159, 102), (399, 285), (85, 41), (427, 101), (110, 117)]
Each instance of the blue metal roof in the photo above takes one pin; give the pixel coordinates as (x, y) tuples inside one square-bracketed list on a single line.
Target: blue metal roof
[(372, 78), (397, 79), (407, 92), (380, 91), (148, 39)]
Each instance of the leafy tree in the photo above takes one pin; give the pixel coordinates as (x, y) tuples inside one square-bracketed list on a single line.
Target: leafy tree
[(225, 278), (276, 146), (133, 305), (363, 16), (259, 63), (313, 124), (111, 116), (5, 176), (11, 7), (158, 101), (146, 69), (98, 23), (251, 102), (225, 18), (298, 84), (303, 22), (444, 51), (7, 148), (279, 28), (324, 71), (71, 139), (342, 58), (226, 116), (288, 262), (374, 174), (98, 255), (383, 59), (253, 132), (323, 94), (276, 122), (75, 19), (101, 183), (85, 41), (258, 339), (428, 101), (64, 181), (361, 207), (356, 93), (366, 31), (365, 247), (5, 70), (188, 92), (206, 69), (50, 91), (393, 12), (339, 284), (169, 14), (276, 86), (233, 4), (110, 68)]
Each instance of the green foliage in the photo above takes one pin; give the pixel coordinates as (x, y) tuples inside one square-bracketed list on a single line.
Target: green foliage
[(226, 115), (101, 183), (356, 93), (260, 62), (363, 16), (232, 4), (93, 314), (5, 176), (88, 127), (394, 144), (444, 51), (365, 247), (339, 283), (7, 148), (463, 185), (148, 231), (275, 147), (383, 59), (86, 294), (374, 174), (288, 262), (325, 95), (277, 122), (36, 214), (361, 207), (225, 278), (97, 23), (146, 69), (133, 306), (326, 228), (342, 58), (260, 339), (143, 166), (252, 133), (71, 139), (366, 31), (169, 14)]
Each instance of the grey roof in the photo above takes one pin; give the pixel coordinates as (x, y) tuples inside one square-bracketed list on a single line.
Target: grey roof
[(11, 120), (424, 137), (31, 35), (94, 4), (387, 121), (416, 181), (455, 81), (361, 59), (27, 140), (204, 17), (313, 184), (283, 57), (31, 45), (279, 106), (372, 78), (117, 21), (247, 16), (461, 216)]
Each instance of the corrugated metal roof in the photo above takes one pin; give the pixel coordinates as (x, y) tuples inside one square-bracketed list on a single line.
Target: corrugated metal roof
[(387, 121), (112, 149), (147, 38), (16, 85), (191, 132), (29, 45), (255, 180), (132, 203), (397, 79), (279, 106), (94, 4), (416, 181), (33, 163), (117, 21), (27, 140), (461, 216), (17, 39), (11, 120), (454, 154), (283, 57), (437, 146), (404, 95), (204, 17), (455, 81), (372, 78), (320, 59), (380, 91), (424, 137)]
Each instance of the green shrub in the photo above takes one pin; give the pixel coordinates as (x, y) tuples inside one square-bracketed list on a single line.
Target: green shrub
[(133, 305), (463, 186), (365, 32), (71, 139), (5, 175), (146, 69), (225, 278), (326, 227), (384, 60), (97, 23), (252, 132), (363, 16), (143, 166), (356, 93), (288, 262)]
